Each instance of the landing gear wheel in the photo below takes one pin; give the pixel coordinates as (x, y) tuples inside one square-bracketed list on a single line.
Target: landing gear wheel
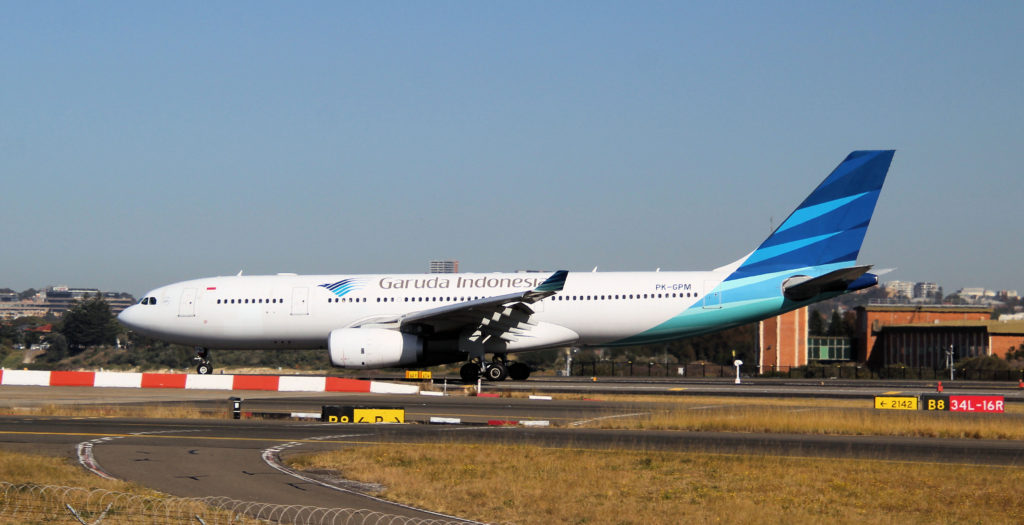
[(203, 356), (496, 372), (469, 372), (518, 371)]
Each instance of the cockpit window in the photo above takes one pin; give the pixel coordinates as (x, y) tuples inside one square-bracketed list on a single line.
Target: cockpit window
[(152, 300), (145, 300)]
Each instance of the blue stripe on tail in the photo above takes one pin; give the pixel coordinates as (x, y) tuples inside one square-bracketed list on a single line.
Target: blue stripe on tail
[(829, 226)]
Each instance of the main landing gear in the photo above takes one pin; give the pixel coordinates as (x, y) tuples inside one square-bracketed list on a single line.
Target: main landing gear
[(203, 356), (496, 370)]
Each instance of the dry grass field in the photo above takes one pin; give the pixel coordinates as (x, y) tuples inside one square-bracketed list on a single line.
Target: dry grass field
[(533, 485), (16, 467), (803, 416), (171, 411)]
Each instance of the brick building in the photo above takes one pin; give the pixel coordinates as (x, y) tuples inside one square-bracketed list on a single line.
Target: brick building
[(916, 336), (872, 319), (925, 345), (784, 342)]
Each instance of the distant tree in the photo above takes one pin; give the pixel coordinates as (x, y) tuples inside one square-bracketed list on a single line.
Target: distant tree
[(58, 348), (89, 323), (816, 324), (29, 338), (835, 324), (954, 299), (9, 334), (849, 323), (27, 294)]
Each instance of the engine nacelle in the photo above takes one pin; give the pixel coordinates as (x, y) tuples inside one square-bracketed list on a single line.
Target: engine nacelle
[(373, 348)]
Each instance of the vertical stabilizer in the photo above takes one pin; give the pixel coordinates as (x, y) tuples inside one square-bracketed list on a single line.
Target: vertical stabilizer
[(828, 227)]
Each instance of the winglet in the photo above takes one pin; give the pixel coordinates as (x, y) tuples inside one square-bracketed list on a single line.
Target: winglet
[(555, 283)]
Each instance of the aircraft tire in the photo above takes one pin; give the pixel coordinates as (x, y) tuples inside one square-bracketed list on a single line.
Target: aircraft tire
[(496, 372), (518, 371), (204, 369), (469, 372)]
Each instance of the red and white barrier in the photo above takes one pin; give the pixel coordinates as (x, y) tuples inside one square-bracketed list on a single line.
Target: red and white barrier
[(201, 382)]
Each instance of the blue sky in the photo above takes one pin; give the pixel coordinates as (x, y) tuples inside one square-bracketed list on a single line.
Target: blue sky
[(145, 143)]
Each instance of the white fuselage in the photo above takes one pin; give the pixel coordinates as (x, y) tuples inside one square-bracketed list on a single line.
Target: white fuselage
[(291, 311)]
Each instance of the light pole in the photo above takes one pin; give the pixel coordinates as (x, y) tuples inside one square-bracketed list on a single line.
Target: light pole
[(949, 361)]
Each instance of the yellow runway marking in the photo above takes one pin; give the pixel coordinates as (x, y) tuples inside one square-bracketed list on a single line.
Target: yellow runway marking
[(677, 389), (894, 392)]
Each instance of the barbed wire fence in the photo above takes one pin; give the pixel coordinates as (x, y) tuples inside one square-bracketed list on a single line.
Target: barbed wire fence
[(53, 504)]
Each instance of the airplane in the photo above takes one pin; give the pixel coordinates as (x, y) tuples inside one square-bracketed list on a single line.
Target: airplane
[(415, 320)]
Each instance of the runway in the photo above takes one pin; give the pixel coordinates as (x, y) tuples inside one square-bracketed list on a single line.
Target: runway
[(240, 459)]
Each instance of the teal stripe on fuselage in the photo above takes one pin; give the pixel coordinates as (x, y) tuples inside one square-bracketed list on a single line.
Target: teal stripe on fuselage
[(698, 320), (742, 301)]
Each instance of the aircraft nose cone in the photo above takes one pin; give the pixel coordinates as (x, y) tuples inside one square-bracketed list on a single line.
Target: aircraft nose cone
[(130, 317)]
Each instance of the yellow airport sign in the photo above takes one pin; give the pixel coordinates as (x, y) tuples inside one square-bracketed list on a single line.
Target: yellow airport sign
[(339, 414), (378, 415), (895, 403)]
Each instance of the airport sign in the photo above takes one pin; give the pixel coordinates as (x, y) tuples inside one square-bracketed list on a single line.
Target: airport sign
[(960, 403), (896, 402)]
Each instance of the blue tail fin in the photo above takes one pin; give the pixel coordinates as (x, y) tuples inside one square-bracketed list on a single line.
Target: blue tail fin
[(829, 226)]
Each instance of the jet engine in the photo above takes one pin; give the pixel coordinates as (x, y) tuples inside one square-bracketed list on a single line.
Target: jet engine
[(373, 348)]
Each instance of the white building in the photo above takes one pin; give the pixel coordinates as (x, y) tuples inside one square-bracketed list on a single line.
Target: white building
[(900, 289), (444, 266)]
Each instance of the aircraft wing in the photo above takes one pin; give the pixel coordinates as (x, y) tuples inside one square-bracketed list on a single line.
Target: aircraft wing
[(502, 312)]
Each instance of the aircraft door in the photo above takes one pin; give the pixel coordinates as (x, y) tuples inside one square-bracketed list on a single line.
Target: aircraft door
[(300, 301), (187, 306), (712, 298)]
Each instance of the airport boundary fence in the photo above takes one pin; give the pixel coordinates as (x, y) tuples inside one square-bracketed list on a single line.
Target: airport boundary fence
[(648, 368), (31, 503)]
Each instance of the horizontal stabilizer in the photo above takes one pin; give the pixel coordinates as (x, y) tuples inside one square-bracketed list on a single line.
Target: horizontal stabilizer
[(802, 288)]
